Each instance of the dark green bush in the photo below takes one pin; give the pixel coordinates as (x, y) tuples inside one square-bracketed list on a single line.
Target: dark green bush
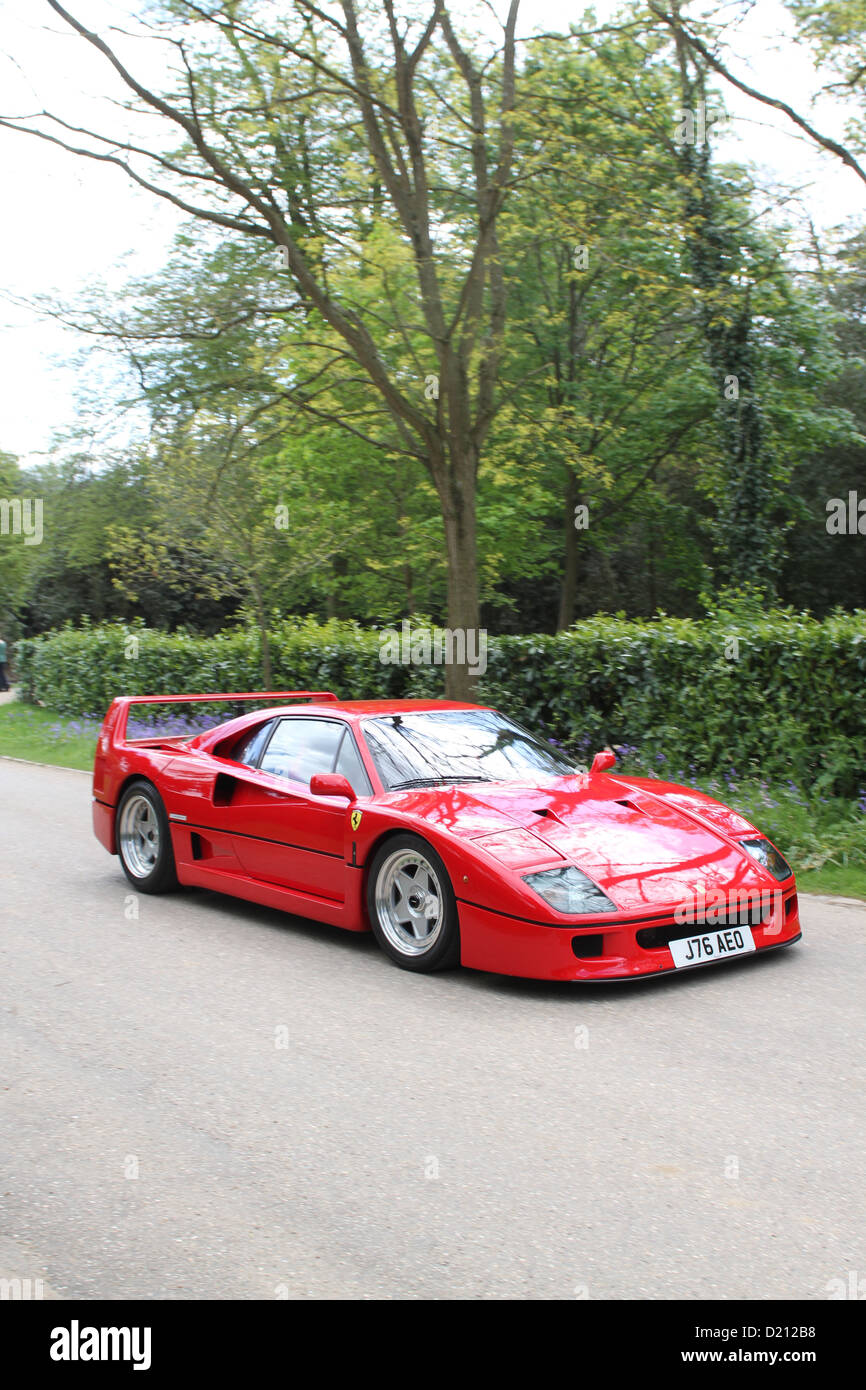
[(783, 695)]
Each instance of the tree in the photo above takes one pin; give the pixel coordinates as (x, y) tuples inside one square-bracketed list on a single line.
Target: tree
[(601, 303), (429, 199), (304, 128), (822, 570), (827, 20), (281, 510)]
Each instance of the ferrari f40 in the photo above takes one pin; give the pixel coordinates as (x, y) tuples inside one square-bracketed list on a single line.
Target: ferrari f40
[(447, 830)]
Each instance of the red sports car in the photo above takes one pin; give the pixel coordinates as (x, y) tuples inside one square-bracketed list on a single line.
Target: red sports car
[(446, 829)]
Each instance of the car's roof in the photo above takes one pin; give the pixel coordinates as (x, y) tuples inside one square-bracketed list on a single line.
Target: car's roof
[(351, 711), (356, 709)]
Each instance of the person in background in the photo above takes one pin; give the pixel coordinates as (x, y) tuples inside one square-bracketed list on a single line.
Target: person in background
[(4, 679)]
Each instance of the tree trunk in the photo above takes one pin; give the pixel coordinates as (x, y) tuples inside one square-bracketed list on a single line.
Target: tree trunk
[(458, 512), (264, 636), (568, 589), (408, 580), (403, 528), (747, 542), (335, 604)]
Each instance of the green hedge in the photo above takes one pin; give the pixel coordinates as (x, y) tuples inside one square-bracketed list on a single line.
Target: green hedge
[(789, 701)]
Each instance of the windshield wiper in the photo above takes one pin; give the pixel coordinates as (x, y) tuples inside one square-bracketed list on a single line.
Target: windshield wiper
[(435, 781)]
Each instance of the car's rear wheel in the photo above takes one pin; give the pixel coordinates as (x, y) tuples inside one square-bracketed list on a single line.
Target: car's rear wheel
[(144, 839), (411, 905)]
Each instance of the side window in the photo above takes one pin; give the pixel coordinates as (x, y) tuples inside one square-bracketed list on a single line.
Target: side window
[(249, 746), (349, 765), (300, 747)]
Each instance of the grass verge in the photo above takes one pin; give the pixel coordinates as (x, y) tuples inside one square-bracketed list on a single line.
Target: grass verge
[(27, 731)]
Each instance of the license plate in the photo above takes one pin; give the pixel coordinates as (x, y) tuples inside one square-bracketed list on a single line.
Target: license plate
[(711, 945)]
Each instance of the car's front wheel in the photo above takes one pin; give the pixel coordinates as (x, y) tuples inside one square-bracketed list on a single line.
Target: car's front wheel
[(411, 905), (144, 839)]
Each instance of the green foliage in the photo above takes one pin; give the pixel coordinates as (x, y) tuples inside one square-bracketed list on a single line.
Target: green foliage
[(836, 30), (640, 275), (16, 559), (781, 695)]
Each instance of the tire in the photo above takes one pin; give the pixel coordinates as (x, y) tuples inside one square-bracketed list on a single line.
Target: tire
[(407, 888), (143, 838)]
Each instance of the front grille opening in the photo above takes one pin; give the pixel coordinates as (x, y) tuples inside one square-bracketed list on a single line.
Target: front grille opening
[(584, 947), (791, 905), (654, 938)]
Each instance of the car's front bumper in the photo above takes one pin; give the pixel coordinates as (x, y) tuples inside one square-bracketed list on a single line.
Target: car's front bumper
[(621, 948)]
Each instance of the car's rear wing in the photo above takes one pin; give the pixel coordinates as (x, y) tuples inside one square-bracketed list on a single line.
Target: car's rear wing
[(115, 722)]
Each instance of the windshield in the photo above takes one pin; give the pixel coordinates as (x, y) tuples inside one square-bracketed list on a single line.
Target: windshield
[(462, 745)]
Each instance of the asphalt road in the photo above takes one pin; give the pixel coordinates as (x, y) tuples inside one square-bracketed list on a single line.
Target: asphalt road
[(212, 1100)]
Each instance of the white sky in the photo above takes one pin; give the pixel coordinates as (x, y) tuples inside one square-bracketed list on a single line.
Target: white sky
[(68, 223)]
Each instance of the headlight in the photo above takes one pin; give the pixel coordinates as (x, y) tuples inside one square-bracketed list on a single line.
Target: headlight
[(569, 890), (771, 859)]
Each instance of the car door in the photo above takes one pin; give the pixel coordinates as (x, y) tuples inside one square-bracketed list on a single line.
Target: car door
[(283, 834)]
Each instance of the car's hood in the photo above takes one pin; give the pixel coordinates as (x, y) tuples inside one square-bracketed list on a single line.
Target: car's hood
[(643, 851)]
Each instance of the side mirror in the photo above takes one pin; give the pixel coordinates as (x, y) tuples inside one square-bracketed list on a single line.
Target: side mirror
[(331, 784), (602, 761)]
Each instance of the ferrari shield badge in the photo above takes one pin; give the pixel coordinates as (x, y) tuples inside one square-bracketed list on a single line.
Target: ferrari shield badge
[(356, 819)]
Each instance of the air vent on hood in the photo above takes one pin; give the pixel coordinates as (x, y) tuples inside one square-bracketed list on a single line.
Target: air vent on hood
[(546, 814)]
